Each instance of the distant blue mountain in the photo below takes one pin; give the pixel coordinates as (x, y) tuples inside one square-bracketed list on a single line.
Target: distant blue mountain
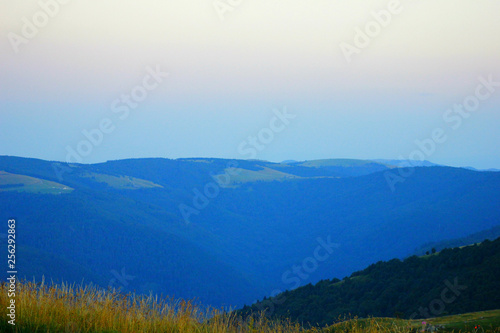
[(290, 162), (406, 163), (486, 170), (252, 227), (478, 237)]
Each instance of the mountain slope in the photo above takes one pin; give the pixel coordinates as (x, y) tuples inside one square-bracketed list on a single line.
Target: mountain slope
[(477, 237), (21, 183), (453, 281), (244, 241)]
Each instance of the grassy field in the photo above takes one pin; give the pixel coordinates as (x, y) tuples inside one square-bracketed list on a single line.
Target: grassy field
[(335, 162), (485, 321), (122, 182), (71, 309), (21, 183), (468, 322), (266, 174)]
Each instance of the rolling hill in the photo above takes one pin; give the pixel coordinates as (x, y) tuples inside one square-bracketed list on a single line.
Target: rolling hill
[(228, 232)]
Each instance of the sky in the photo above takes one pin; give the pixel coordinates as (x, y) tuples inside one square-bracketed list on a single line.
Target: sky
[(91, 81)]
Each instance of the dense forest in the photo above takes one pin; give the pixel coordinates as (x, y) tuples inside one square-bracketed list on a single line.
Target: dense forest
[(452, 281)]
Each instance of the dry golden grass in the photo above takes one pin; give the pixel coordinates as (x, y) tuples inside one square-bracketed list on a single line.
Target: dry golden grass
[(67, 308), (70, 309)]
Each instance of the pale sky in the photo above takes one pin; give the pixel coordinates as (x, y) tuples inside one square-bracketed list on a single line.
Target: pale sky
[(229, 68)]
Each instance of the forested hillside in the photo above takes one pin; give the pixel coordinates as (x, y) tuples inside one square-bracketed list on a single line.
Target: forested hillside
[(452, 281)]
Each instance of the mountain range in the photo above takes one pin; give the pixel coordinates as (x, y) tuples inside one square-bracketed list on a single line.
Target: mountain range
[(229, 232)]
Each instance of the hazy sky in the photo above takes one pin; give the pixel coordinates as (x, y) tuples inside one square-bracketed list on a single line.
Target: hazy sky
[(69, 68)]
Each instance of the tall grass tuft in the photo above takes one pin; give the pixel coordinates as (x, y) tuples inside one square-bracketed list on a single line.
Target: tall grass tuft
[(84, 309), (71, 308)]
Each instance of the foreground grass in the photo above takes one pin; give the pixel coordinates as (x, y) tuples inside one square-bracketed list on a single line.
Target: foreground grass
[(66, 308), (71, 309), (487, 321)]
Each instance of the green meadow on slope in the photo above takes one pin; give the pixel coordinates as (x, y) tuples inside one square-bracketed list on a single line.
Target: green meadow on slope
[(22, 183)]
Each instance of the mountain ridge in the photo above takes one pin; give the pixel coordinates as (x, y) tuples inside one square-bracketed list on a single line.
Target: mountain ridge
[(246, 236)]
